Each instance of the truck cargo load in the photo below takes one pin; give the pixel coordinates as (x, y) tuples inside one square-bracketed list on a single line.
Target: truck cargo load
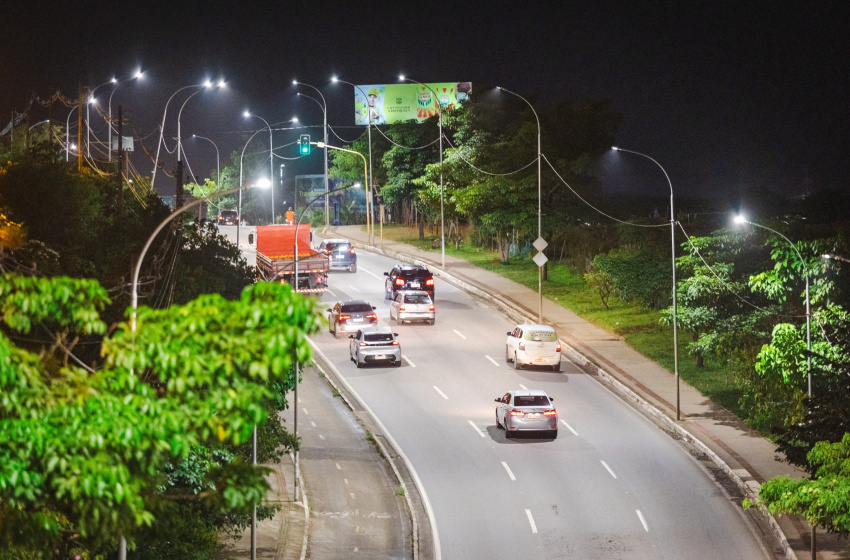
[(276, 258)]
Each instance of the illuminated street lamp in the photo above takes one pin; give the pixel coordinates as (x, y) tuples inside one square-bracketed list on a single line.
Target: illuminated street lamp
[(673, 257), (741, 219), (539, 203), (325, 140), (442, 195), (138, 74)]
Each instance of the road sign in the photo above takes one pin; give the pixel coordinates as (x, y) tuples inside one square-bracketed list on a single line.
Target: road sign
[(540, 259), (540, 244)]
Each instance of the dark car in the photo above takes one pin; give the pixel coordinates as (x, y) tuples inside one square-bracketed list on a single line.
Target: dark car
[(350, 316), (340, 254), (408, 277), (228, 218)]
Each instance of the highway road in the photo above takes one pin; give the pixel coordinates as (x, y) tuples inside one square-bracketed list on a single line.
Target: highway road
[(612, 485)]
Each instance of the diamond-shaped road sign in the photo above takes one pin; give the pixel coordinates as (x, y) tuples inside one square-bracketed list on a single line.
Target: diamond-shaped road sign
[(540, 244), (540, 259)]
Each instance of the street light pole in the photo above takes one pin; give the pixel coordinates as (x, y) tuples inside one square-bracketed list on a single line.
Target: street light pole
[(88, 122), (369, 137), (673, 257), (239, 206), (217, 165), (442, 195), (138, 74), (68, 134), (325, 142), (271, 155), (539, 202)]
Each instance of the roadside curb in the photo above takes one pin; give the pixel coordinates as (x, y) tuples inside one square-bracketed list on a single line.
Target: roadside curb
[(518, 313), (425, 540)]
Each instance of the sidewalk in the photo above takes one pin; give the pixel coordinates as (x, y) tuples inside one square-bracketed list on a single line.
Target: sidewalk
[(751, 459)]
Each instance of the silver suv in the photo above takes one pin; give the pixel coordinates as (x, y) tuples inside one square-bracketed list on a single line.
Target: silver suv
[(374, 345)]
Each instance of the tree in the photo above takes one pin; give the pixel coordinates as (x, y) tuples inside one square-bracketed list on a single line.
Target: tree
[(637, 274), (84, 453)]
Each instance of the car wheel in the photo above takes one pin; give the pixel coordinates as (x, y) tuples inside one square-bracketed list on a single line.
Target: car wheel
[(507, 356), (398, 363), (432, 321), (357, 361), (554, 434), (498, 424), (398, 320), (336, 330), (508, 433), (353, 268), (557, 367), (517, 365)]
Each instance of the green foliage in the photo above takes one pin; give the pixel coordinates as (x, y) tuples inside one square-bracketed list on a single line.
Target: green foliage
[(86, 456), (638, 275), (601, 283)]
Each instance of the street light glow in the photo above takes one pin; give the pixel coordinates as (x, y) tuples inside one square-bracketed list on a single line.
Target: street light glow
[(333, 79), (138, 73), (615, 148), (401, 77), (740, 219), (246, 114), (263, 183), (221, 83), (208, 84), (113, 80)]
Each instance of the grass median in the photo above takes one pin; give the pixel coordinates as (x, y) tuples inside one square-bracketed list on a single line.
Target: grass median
[(639, 328)]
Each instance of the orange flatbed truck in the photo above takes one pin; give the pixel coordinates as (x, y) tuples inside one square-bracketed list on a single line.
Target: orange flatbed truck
[(276, 258)]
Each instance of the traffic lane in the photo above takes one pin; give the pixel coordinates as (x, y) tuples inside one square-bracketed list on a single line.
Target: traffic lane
[(683, 507)]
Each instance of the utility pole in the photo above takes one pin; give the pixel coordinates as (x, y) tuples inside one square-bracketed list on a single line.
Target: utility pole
[(178, 200), (120, 161), (80, 129)]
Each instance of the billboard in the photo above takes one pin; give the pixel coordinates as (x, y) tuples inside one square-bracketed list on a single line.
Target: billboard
[(392, 103)]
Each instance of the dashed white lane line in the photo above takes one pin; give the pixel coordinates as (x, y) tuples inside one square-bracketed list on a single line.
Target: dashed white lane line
[(332, 294), (495, 363), (510, 474), (531, 521), (305, 411), (313, 424), (523, 386), (338, 467), (442, 394), (458, 333), (353, 288), (345, 480), (477, 429), (321, 436), (607, 468), (361, 269), (570, 428), (406, 359), (642, 520)]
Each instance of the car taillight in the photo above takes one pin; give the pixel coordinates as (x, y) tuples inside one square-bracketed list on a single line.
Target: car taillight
[(399, 281), (517, 413), (558, 347), (550, 413), (395, 342), (401, 308), (372, 316), (344, 317), (431, 307), (521, 345), (429, 282), (351, 250)]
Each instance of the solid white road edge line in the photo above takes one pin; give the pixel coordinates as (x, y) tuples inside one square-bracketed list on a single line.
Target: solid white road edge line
[(642, 520), (510, 474), (570, 428), (406, 359), (495, 363), (477, 429), (360, 268), (458, 333), (607, 468), (426, 502), (531, 521), (442, 394)]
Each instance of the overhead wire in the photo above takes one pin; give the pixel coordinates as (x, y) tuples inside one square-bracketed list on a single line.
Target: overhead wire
[(458, 153)]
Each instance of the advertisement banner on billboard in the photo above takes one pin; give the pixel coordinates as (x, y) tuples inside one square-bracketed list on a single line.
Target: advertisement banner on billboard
[(392, 103)]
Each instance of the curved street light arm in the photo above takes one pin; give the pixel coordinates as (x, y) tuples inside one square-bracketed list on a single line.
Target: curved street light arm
[(239, 211), (162, 128)]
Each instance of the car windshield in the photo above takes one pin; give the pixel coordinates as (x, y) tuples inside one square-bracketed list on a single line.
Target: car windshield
[(338, 246), (378, 337), (417, 298), (531, 400), (356, 308), (541, 336), (415, 274)]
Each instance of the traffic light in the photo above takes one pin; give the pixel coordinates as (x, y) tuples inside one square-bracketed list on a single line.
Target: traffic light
[(304, 145)]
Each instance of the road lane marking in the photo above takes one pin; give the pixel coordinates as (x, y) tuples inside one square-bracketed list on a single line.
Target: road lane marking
[(313, 424), (477, 429), (346, 480), (458, 333), (607, 468), (332, 294), (531, 521), (353, 288), (321, 436), (406, 359), (510, 474), (495, 363), (338, 467), (360, 268), (351, 494), (442, 394), (570, 428), (642, 520), (523, 386), (305, 411)]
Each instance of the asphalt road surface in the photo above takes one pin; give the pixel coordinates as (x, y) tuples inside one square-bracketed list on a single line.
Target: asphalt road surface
[(612, 485)]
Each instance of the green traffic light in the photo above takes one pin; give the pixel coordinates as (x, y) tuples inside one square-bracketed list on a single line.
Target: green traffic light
[(304, 144)]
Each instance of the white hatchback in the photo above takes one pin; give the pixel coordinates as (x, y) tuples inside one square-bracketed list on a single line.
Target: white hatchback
[(533, 345), (412, 305)]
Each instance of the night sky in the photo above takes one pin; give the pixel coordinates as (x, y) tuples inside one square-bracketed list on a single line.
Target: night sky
[(726, 96)]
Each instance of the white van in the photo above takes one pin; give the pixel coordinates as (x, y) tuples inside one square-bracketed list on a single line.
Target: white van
[(534, 345)]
